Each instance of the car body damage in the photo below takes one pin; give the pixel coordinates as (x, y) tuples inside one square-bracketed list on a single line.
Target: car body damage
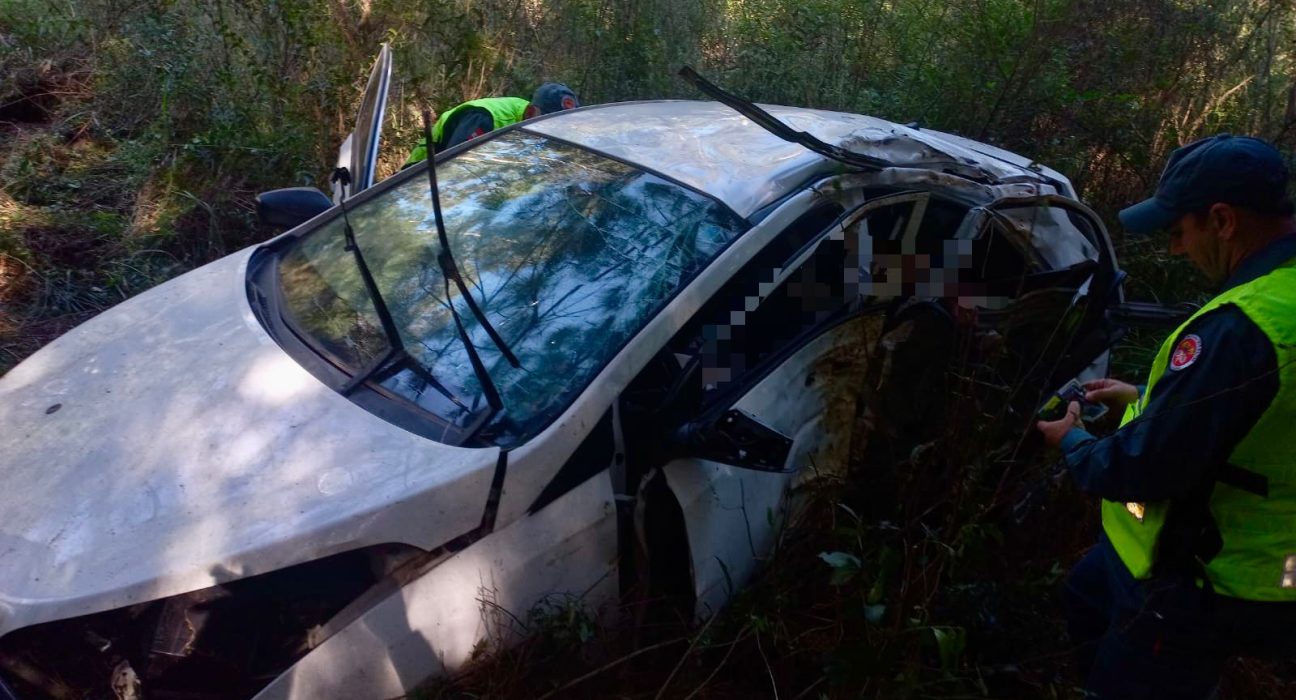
[(732, 514), (477, 597), (705, 313), (170, 445)]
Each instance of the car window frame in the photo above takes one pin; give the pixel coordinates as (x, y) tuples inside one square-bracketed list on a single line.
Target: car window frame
[(719, 401), (968, 229), (1101, 239)]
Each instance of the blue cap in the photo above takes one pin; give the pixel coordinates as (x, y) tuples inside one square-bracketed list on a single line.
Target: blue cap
[(554, 97), (1238, 170)]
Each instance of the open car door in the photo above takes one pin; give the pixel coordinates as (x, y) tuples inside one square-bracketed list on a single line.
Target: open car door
[(359, 152)]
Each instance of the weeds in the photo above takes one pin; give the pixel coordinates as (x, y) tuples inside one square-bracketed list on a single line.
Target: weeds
[(890, 584), (134, 134), (918, 574), (162, 119)]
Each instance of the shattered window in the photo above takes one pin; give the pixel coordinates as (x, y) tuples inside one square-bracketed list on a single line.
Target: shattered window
[(1001, 260), (1060, 237), (568, 253)]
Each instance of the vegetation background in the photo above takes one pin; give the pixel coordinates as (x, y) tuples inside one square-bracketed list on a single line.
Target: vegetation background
[(135, 133)]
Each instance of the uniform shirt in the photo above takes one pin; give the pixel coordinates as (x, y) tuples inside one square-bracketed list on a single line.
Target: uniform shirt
[(464, 125), (1198, 414)]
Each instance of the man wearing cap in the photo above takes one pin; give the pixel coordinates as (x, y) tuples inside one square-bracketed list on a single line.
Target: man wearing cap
[(477, 117), (1197, 560)]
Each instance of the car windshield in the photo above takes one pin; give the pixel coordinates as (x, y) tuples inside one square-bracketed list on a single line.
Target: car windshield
[(569, 253)]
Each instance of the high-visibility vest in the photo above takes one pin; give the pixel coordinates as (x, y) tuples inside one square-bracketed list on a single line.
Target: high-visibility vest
[(504, 111), (1257, 560)]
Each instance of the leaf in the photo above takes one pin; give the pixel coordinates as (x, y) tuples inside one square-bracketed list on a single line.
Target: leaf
[(874, 613), (845, 567), (951, 643), (839, 560), (888, 563)]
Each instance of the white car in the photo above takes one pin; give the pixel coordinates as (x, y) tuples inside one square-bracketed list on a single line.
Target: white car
[(263, 479)]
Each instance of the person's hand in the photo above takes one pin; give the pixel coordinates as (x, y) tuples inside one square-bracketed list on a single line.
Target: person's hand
[(1053, 430), (1112, 393)]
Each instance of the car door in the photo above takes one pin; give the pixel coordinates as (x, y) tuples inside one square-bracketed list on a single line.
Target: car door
[(781, 355), (359, 151)]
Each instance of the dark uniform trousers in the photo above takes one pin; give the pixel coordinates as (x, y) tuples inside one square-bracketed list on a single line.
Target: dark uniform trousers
[(1164, 638)]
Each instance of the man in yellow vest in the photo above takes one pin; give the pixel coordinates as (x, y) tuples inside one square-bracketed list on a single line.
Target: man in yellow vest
[(1197, 560), (478, 117)]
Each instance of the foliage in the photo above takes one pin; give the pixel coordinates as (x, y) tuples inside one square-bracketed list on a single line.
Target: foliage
[(134, 134), (927, 571)]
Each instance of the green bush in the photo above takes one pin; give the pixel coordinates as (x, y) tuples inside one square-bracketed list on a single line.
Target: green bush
[(135, 133)]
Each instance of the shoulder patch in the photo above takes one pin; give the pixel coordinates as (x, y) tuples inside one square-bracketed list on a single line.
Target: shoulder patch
[(1186, 352)]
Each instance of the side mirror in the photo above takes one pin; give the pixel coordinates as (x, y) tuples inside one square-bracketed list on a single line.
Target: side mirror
[(737, 439), (291, 206)]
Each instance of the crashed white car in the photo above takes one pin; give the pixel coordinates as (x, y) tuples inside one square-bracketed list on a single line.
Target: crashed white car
[(308, 470)]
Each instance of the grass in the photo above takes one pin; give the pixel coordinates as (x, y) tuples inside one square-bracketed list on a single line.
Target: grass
[(891, 584), (931, 569), (134, 135)]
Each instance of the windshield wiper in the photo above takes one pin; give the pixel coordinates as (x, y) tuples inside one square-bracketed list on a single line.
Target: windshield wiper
[(396, 355), (450, 271), (775, 126)]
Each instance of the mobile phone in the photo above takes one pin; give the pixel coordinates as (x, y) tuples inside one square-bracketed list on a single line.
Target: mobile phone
[(1056, 406)]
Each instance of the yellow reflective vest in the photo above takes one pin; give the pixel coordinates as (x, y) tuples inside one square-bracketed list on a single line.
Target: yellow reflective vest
[(504, 111), (1257, 560)]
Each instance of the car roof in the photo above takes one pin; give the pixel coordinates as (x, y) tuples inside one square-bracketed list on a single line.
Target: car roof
[(718, 151)]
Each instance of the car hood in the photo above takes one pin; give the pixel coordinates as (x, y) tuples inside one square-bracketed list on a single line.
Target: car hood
[(169, 444)]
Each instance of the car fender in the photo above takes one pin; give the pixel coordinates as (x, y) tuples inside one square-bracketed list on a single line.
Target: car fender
[(479, 596)]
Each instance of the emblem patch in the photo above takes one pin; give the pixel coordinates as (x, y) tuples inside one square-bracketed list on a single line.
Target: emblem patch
[(1186, 352)]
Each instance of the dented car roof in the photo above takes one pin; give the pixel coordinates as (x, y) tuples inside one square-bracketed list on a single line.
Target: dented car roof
[(713, 148)]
